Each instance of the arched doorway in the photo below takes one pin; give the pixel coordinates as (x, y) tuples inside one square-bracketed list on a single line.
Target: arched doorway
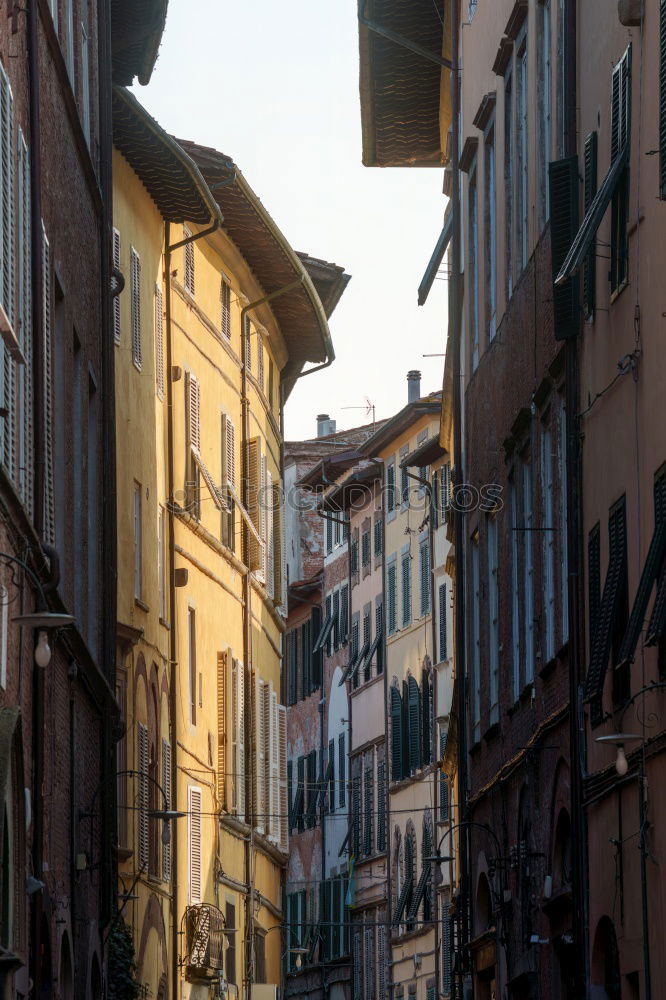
[(606, 982), (95, 979), (66, 972)]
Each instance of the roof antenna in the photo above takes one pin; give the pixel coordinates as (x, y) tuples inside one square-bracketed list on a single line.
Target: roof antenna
[(368, 407)]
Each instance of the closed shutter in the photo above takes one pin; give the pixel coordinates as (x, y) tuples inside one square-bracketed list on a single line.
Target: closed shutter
[(222, 728), (445, 494), (260, 362), (116, 298), (590, 266), (442, 623), (378, 537), (424, 567), (142, 768), (344, 613), (443, 779), (284, 803), (166, 785), (662, 99), (329, 535), (342, 770), (247, 344), (255, 467), (280, 572), (446, 942), (650, 574), (390, 483), (228, 480), (356, 815), (274, 789), (369, 963), (381, 963), (396, 735), (193, 412), (188, 251), (194, 844), (259, 750), (593, 580), (7, 163), (368, 825), (47, 301), (336, 619), (159, 341), (426, 718), (414, 723), (406, 590), (239, 733), (26, 458), (563, 229), (357, 965), (135, 298), (379, 635), (225, 306), (381, 805)]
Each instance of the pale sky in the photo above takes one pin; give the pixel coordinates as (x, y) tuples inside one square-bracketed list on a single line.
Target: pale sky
[(275, 86)]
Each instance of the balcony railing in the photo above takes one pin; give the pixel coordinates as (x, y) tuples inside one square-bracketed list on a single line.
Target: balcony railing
[(204, 935)]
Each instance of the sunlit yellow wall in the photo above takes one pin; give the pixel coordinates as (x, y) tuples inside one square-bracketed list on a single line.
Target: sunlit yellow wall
[(143, 645), (215, 581)]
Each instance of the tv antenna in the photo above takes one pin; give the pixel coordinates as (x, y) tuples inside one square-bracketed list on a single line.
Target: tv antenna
[(368, 407)]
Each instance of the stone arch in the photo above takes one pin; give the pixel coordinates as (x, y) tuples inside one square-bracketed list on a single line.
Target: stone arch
[(12, 830), (153, 920), (95, 988), (140, 672), (65, 969), (483, 909), (605, 971)]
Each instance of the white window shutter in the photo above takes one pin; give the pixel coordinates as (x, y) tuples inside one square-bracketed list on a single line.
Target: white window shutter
[(284, 791), (263, 514), (26, 459), (254, 465), (194, 843), (189, 261), (166, 785), (193, 412), (259, 749), (274, 791), (8, 218), (225, 303), (159, 341), (135, 290), (222, 728), (142, 768), (260, 361), (116, 300), (239, 735), (47, 301)]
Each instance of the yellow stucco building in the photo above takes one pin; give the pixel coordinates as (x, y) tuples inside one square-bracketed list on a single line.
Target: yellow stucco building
[(216, 320)]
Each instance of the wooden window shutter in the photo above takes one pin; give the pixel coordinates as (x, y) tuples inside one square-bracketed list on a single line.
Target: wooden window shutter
[(356, 815), (406, 589), (260, 362), (247, 343), (426, 719), (47, 332), (414, 724), (368, 825), (381, 963), (662, 99), (259, 751), (442, 622), (24, 407), (280, 570), (142, 815), (391, 597), (222, 728), (135, 295), (381, 805), (238, 738), (283, 843), (369, 962), (8, 218), (193, 412), (188, 252), (116, 299), (194, 844), (590, 265), (443, 780), (166, 785), (396, 735), (263, 514), (275, 752), (159, 341), (563, 229), (424, 567), (225, 304), (593, 580), (254, 467), (270, 536)]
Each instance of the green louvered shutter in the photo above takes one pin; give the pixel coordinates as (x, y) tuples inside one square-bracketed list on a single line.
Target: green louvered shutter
[(563, 229), (426, 724), (396, 734), (589, 267), (593, 579), (414, 713), (662, 99)]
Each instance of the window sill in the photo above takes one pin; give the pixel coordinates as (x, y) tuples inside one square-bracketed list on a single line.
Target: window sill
[(141, 604)]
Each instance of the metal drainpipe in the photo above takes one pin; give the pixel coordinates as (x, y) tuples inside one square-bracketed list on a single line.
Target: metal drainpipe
[(455, 313), (173, 651), (387, 755), (37, 674), (577, 747)]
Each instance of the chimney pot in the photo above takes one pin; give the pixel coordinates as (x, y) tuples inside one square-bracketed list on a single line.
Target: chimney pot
[(413, 386), (323, 425)]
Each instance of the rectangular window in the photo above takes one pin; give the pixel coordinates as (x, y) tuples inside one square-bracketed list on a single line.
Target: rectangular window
[(528, 571), (194, 844), (544, 43), (135, 304), (476, 641), (161, 562), (391, 597), (192, 662), (159, 341), (493, 619), (342, 770), (508, 183), (116, 298), (143, 766), (188, 255), (522, 166), (404, 478), (424, 577), (548, 544), (329, 536), (365, 548), (378, 537), (473, 279), (225, 309), (230, 958), (491, 233), (390, 487), (138, 542), (443, 609), (406, 570), (590, 190), (620, 135), (516, 536)]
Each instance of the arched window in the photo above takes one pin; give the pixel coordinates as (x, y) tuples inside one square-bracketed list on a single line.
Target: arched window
[(410, 870), (562, 851), (483, 915), (426, 852), (427, 714)]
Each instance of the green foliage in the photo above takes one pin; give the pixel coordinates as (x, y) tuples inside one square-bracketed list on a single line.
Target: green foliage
[(122, 983)]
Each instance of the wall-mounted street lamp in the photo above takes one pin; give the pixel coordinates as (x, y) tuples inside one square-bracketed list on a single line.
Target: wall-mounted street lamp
[(620, 740), (41, 620)]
